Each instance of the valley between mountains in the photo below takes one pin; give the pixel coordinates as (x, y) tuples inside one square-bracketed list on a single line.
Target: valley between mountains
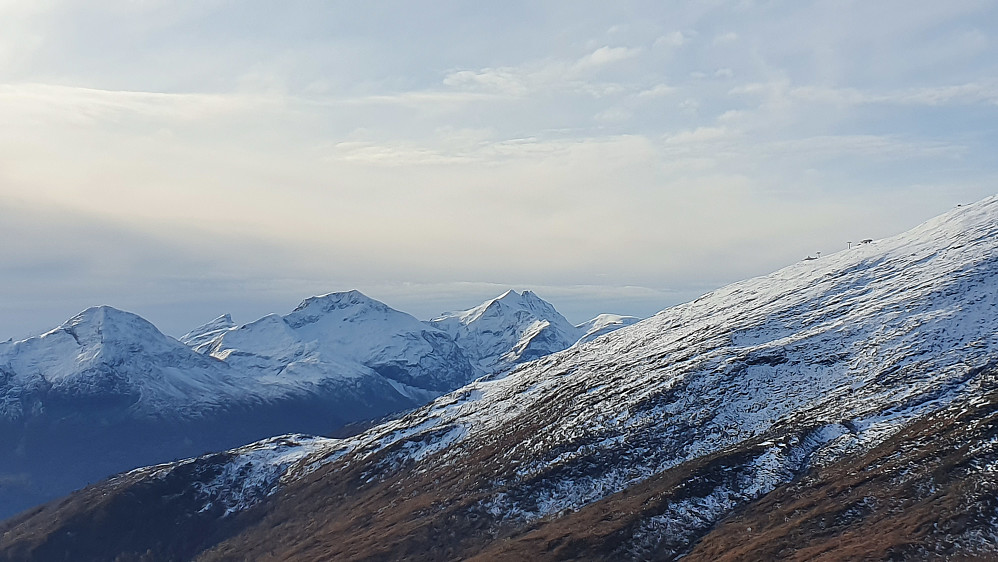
[(837, 409)]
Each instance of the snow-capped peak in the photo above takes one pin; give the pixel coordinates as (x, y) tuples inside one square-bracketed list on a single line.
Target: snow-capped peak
[(205, 333), (341, 299), (104, 351), (350, 306), (509, 329), (508, 301), (346, 334), (98, 323), (97, 333)]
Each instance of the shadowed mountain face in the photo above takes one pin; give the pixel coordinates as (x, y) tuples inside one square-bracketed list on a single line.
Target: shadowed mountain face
[(774, 418)]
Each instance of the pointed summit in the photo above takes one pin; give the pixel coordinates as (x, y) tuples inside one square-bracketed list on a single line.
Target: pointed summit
[(203, 334), (343, 299), (509, 329), (344, 334), (106, 327)]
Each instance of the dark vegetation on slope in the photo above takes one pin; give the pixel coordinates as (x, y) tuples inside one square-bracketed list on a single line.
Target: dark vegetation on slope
[(60, 452), (930, 491), (127, 518)]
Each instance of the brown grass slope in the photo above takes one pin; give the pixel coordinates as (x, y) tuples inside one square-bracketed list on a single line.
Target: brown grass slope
[(926, 492), (127, 518), (929, 491)]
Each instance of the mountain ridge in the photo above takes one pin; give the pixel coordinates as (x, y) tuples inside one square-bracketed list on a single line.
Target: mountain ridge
[(708, 407), (104, 381)]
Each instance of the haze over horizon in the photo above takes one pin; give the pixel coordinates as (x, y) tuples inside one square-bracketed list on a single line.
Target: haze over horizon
[(183, 161)]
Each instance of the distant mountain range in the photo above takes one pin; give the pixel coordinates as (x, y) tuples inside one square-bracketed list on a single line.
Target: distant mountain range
[(106, 391), (840, 408)]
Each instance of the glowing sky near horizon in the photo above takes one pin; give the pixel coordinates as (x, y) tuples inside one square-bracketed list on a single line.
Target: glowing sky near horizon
[(183, 160)]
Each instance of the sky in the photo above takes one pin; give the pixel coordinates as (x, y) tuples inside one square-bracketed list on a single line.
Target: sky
[(182, 160)]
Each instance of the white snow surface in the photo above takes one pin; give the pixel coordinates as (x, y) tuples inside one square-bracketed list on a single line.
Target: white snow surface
[(204, 334), (509, 329), (342, 334), (602, 325), (105, 351), (826, 356), (249, 473), (342, 340)]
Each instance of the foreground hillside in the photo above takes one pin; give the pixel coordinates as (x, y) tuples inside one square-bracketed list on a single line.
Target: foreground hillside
[(777, 417)]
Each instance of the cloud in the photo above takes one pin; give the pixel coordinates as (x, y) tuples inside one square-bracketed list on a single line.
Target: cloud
[(672, 40), (438, 99), (689, 105), (539, 76), (658, 90), (605, 56), (866, 146), (614, 115), (89, 105), (501, 80), (725, 38), (970, 93), (959, 94), (698, 136), (393, 154)]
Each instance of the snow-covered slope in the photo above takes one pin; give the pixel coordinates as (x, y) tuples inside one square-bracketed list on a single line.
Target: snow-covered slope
[(109, 355), (767, 377), (838, 352), (92, 385), (858, 342), (325, 335), (604, 324), (509, 329)]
